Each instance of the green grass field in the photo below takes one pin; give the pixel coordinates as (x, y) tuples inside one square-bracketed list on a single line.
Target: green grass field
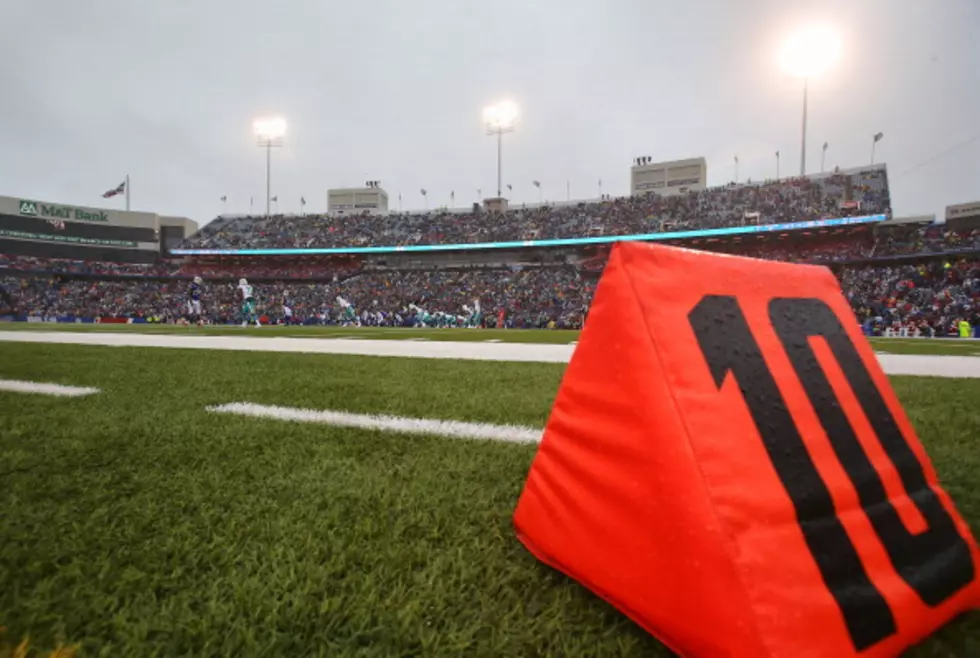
[(890, 345), (135, 523)]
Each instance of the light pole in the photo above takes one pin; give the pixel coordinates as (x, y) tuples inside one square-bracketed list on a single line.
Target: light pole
[(806, 54), (874, 141), (499, 119), (736, 170), (803, 132), (823, 156), (777, 166), (269, 133)]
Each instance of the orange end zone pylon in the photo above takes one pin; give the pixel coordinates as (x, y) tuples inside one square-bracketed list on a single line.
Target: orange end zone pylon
[(727, 464)]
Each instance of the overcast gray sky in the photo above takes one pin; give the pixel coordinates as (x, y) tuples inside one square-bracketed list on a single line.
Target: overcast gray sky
[(394, 90)]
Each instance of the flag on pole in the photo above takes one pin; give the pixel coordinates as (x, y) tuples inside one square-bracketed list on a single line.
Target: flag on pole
[(302, 201), (423, 191), (879, 136), (119, 189), (510, 188), (537, 184), (275, 198), (224, 198)]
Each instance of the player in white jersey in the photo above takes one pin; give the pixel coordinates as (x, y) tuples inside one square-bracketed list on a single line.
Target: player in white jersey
[(248, 303)]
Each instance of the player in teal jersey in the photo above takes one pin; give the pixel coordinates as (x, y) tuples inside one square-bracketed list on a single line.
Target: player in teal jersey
[(348, 314), (474, 317), (422, 318), (248, 304)]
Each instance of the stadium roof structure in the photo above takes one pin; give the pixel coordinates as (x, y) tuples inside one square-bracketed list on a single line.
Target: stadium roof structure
[(909, 220)]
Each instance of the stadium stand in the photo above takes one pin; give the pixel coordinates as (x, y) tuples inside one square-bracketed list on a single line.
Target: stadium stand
[(858, 192), (900, 277), (923, 291), (94, 267), (922, 299)]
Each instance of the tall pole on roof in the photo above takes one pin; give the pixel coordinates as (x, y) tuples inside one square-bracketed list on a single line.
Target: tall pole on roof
[(805, 54), (803, 135), (499, 119), (269, 133)]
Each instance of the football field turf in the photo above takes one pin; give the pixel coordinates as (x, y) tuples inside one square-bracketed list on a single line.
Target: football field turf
[(137, 523)]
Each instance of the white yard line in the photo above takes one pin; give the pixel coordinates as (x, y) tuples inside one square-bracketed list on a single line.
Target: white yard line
[(451, 428), (893, 364), (41, 388)]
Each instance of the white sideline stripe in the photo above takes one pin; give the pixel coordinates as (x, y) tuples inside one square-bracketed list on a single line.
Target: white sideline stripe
[(452, 428), (527, 352), (17, 386), (931, 365)]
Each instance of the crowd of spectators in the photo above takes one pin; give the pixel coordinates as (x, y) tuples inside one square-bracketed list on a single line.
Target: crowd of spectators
[(928, 299), (280, 268), (69, 266), (528, 297), (292, 267), (47, 296), (788, 200), (935, 238), (827, 251)]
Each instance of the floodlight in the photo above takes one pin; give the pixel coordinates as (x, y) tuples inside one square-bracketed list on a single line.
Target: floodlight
[(810, 51), (270, 128), (501, 116)]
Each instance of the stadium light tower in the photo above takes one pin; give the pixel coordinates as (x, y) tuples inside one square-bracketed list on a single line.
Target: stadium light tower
[(805, 54), (268, 133), (499, 119)]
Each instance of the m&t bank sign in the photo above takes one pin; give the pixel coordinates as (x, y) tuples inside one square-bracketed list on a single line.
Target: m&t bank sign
[(49, 211)]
